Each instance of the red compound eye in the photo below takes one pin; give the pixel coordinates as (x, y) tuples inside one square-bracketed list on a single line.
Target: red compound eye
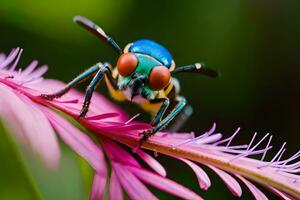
[(159, 77), (127, 64)]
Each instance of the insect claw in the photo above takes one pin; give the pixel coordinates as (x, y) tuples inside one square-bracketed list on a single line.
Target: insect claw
[(79, 116), (143, 139), (82, 113), (146, 135)]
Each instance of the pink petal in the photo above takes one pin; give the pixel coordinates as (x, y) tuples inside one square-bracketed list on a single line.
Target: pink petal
[(203, 179), (282, 195), (12, 55), (183, 136), (134, 188), (258, 195), (29, 125), (38, 72), (2, 57), (98, 187), (115, 152), (13, 66), (78, 141), (154, 164), (115, 190), (164, 184), (233, 186), (29, 68), (133, 126), (103, 116)]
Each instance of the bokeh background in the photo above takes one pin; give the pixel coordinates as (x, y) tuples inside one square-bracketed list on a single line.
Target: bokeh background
[(254, 44)]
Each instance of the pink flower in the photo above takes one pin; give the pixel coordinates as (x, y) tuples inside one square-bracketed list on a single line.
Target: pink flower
[(33, 120)]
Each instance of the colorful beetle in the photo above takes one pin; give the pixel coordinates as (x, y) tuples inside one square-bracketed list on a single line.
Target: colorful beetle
[(143, 75)]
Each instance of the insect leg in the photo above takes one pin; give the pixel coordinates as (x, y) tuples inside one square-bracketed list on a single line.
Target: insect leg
[(81, 77), (181, 118), (112, 80), (180, 105), (91, 88), (162, 110)]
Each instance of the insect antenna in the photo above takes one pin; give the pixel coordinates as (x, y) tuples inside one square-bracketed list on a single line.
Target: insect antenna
[(196, 68), (95, 29)]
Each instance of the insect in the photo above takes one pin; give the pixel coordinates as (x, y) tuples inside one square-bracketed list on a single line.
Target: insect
[(143, 75)]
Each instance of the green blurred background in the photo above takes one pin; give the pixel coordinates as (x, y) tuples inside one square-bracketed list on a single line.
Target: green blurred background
[(254, 44)]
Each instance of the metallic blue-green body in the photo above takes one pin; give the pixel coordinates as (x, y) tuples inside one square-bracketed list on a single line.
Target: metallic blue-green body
[(152, 49)]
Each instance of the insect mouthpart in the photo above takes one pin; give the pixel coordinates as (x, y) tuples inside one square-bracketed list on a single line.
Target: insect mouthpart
[(136, 84)]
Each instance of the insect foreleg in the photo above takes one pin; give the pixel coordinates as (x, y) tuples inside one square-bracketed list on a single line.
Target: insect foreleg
[(162, 110), (91, 88), (112, 80), (181, 119), (180, 105), (81, 77)]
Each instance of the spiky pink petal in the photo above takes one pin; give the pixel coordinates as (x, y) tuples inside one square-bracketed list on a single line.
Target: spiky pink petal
[(203, 179), (120, 159), (258, 195), (164, 184), (116, 153), (10, 58), (103, 116), (78, 141), (14, 65), (282, 195), (2, 57), (144, 175), (29, 69), (229, 181), (154, 164), (133, 186)]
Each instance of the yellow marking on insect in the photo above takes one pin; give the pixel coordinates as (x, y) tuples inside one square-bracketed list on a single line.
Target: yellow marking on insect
[(169, 88), (115, 94), (152, 108)]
